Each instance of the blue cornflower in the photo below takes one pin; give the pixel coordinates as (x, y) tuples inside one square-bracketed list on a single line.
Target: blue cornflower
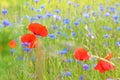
[(38, 10), (32, 19), (5, 22), (33, 58), (117, 43), (52, 36), (101, 8), (76, 23), (106, 35), (109, 79), (88, 6), (32, 8), (82, 77), (77, 5), (64, 51), (86, 15), (118, 28), (112, 9), (27, 49), (59, 33), (57, 11), (26, 3), (68, 73), (66, 21), (56, 17), (48, 14), (86, 67), (107, 28), (73, 33), (115, 17), (36, 1), (117, 4), (107, 14), (54, 27), (70, 3), (40, 16), (68, 60), (4, 11), (42, 6), (12, 50), (26, 44), (69, 27)]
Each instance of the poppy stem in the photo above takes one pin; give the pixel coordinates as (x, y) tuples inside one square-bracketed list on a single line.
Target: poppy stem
[(103, 59)]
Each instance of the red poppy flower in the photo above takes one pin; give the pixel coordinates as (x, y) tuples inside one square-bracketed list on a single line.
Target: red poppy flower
[(104, 66), (12, 44), (38, 29), (31, 39), (81, 54)]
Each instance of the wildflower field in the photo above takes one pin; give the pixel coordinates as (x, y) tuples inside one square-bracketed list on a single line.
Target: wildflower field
[(60, 40)]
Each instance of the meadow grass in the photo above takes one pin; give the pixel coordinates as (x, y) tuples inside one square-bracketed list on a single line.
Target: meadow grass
[(21, 65)]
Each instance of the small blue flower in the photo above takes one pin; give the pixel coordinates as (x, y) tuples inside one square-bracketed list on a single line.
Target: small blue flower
[(70, 3), (4, 11), (115, 17), (26, 44), (66, 21), (101, 8), (86, 15), (76, 23), (73, 33), (86, 67), (58, 11), (118, 28), (38, 10), (52, 36), (27, 3), (107, 14), (88, 7), (40, 16), (27, 49), (107, 28), (109, 79), (77, 5), (42, 6), (32, 8), (54, 27), (33, 19), (36, 1), (59, 33), (106, 35), (56, 17), (48, 15), (69, 27), (82, 77), (12, 50), (68, 60), (5, 22), (64, 51), (68, 73), (112, 9), (117, 43), (33, 58)]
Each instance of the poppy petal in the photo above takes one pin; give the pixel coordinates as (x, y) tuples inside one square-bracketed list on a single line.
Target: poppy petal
[(29, 38), (38, 29), (12, 44)]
